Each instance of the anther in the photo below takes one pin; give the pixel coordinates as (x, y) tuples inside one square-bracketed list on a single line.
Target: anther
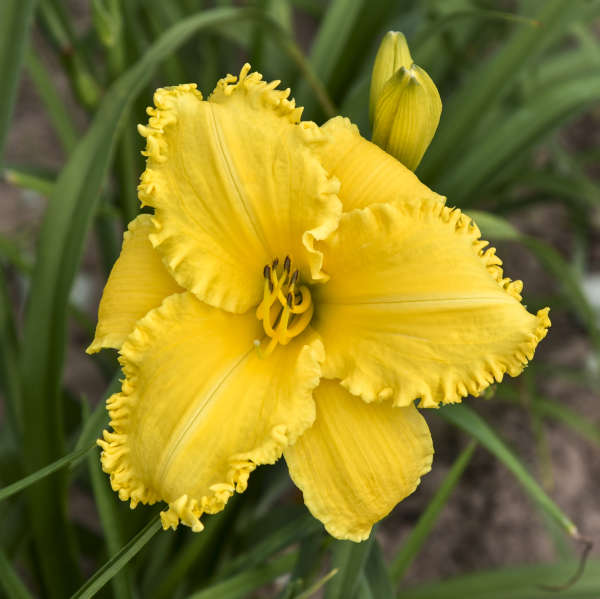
[(290, 300), (275, 263), (294, 277), (287, 264), (267, 272)]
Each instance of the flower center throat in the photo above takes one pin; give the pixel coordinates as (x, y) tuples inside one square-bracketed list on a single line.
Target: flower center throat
[(286, 308)]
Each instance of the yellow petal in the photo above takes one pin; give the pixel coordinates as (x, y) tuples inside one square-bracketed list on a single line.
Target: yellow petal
[(358, 460), (416, 308), (393, 53), (199, 410), (368, 175), (137, 283), (407, 115), (235, 184)]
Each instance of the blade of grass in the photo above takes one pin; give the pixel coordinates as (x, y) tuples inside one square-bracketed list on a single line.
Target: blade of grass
[(548, 408), (488, 84), (350, 560), (9, 378), (56, 20), (69, 460), (335, 29), (98, 419), (265, 55), (104, 499), (200, 552), (10, 581), (114, 565), (155, 560), (520, 582), (15, 21), (516, 132), (475, 13), (377, 574), (310, 554), (242, 584), (469, 421), (313, 588), (294, 531), (559, 66), (29, 179), (577, 187), (347, 29), (364, 590), (422, 529), (60, 119), (128, 166), (581, 425)]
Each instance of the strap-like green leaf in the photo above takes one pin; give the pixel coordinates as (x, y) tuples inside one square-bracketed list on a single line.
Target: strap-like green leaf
[(10, 581), (522, 582), (490, 83), (413, 544), (516, 131), (241, 585), (15, 20), (284, 536), (377, 574), (70, 459), (350, 560), (98, 419), (113, 566), (468, 420), (105, 500)]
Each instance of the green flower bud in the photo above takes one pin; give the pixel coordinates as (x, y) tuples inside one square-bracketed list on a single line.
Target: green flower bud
[(406, 109), (393, 53)]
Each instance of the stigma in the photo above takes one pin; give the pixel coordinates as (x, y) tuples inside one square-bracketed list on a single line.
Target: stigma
[(286, 308)]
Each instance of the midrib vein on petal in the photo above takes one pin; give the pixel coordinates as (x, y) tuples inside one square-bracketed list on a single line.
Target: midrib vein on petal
[(181, 436), (418, 300), (234, 181)]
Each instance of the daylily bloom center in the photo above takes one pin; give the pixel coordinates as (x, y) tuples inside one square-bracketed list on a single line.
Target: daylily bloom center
[(286, 308)]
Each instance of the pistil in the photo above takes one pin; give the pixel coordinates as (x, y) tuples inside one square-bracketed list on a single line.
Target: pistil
[(286, 308)]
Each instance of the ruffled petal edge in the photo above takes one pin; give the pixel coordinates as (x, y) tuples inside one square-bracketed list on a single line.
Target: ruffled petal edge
[(115, 451)]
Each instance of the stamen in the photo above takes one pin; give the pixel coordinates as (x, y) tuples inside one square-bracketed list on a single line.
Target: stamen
[(304, 303), (284, 310)]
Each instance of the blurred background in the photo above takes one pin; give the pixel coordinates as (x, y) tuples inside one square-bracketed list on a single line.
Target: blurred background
[(518, 148)]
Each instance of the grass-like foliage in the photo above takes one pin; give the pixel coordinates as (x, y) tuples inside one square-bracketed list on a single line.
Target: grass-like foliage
[(511, 83)]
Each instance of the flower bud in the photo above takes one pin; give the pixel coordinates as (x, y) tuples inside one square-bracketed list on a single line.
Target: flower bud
[(406, 109), (393, 53)]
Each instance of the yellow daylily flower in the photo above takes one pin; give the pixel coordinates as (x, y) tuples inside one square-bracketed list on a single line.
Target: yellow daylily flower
[(294, 292)]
